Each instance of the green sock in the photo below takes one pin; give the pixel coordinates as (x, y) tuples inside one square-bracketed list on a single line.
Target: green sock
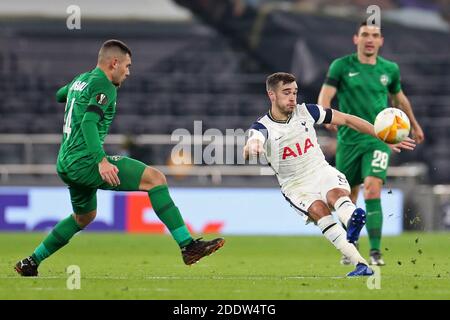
[(169, 214), (56, 239), (374, 222)]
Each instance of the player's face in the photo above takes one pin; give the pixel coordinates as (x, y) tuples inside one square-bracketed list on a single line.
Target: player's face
[(368, 40), (285, 97), (121, 70)]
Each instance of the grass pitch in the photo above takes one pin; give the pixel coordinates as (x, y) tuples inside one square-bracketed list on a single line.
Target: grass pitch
[(126, 266)]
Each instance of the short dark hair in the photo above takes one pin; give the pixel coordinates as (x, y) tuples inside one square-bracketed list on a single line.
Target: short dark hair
[(113, 43), (364, 24), (273, 80)]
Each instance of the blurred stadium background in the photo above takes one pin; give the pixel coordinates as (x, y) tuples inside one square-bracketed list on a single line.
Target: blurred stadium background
[(207, 61)]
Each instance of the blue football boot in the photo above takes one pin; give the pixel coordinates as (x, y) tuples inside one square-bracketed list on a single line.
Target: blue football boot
[(355, 225), (361, 270)]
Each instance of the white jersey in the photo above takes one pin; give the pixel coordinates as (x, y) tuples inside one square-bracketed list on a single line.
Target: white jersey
[(291, 146)]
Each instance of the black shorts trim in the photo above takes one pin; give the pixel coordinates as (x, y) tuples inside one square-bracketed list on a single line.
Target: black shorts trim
[(293, 205)]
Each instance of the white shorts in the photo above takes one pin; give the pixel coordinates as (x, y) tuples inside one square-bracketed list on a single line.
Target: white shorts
[(300, 196)]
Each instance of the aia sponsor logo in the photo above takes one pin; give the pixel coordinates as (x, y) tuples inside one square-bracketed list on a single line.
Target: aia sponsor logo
[(298, 149)]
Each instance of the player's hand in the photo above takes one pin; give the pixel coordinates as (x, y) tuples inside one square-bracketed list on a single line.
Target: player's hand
[(417, 133), (331, 127), (109, 172), (407, 144), (255, 148)]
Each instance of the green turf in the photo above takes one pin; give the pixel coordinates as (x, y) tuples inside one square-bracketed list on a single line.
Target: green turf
[(124, 266)]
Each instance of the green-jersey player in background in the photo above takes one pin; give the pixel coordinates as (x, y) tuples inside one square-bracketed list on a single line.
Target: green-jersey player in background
[(90, 107), (364, 83)]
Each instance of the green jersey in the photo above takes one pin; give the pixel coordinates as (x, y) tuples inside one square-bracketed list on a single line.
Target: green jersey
[(90, 97), (362, 90)]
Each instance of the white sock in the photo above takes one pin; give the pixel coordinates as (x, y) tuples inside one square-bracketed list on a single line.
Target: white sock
[(337, 236), (344, 208)]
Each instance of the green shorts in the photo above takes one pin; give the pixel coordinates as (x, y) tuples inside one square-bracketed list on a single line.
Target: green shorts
[(358, 161), (84, 182)]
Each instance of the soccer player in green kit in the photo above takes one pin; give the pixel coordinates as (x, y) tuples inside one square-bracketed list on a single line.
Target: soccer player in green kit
[(364, 82), (84, 166)]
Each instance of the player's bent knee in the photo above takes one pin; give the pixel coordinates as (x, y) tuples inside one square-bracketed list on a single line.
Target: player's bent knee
[(83, 220), (151, 178), (372, 188), (318, 210), (334, 194)]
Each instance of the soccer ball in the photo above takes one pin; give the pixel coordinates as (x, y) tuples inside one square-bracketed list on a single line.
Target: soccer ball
[(392, 125)]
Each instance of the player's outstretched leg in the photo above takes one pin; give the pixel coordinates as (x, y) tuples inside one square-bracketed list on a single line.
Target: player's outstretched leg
[(56, 239), (336, 235), (166, 210)]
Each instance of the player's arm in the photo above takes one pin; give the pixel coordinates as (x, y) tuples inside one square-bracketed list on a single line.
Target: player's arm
[(326, 95), (255, 142), (61, 94), (354, 122), (107, 171), (402, 102), (91, 136), (329, 89), (94, 114), (363, 126)]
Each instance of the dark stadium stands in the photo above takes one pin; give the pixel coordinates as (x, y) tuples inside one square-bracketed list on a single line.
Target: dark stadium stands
[(181, 72), (193, 74)]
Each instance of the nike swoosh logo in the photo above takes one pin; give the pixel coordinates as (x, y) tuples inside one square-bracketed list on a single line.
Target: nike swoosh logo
[(278, 138), (336, 238), (352, 74)]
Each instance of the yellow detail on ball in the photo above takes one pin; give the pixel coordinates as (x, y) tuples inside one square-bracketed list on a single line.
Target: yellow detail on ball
[(392, 125)]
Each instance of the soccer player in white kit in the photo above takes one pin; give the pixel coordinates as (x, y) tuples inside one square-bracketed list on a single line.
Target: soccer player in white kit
[(287, 138)]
